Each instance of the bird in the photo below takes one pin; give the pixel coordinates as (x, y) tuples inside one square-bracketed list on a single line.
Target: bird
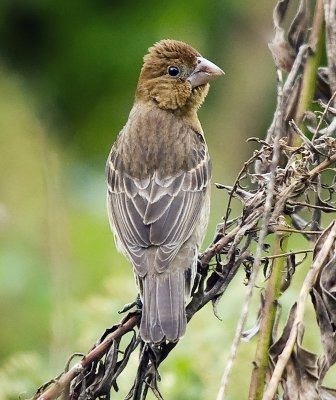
[(158, 184)]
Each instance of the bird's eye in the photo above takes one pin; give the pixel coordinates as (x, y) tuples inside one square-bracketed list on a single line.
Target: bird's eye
[(173, 71)]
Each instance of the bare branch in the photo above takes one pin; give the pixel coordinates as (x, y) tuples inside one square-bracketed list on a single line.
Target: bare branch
[(56, 389)]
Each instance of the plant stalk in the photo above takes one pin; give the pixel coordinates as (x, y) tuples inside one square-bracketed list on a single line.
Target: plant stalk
[(273, 289), (317, 43), (272, 293)]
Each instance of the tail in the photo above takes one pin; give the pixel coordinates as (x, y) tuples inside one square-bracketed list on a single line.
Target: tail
[(163, 311)]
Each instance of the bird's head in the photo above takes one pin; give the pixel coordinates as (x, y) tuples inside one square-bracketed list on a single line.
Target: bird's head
[(175, 76)]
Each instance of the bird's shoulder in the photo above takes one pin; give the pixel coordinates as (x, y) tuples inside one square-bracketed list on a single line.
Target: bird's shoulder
[(154, 140)]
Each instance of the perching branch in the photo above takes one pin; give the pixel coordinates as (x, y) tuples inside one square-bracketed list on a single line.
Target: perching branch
[(59, 385)]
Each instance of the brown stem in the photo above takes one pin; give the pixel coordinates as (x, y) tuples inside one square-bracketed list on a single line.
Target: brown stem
[(288, 254), (303, 204), (56, 389), (322, 166), (330, 102)]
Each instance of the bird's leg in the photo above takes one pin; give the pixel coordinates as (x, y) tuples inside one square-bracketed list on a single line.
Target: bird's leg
[(201, 273), (196, 283), (199, 263), (136, 303)]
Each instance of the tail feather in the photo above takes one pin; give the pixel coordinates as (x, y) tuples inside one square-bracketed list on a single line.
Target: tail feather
[(163, 313)]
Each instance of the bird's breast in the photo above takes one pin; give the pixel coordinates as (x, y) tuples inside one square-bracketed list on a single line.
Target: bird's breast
[(157, 141)]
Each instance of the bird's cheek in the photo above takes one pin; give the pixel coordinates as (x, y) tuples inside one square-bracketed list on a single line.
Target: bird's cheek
[(183, 92), (164, 99), (199, 94), (188, 85), (171, 97)]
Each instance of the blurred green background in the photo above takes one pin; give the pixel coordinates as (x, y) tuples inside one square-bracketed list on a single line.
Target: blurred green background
[(68, 71)]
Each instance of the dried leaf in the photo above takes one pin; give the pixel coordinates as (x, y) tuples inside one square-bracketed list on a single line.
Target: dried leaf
[(290, 270), (299, 26), (279, 46), (321, 240), (248, 334), (324, 300), (300, 381)]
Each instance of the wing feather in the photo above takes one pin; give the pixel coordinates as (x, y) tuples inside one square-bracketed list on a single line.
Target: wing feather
[(160, 212)]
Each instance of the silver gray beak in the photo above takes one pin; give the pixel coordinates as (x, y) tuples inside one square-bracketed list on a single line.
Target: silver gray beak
[(205, 72)]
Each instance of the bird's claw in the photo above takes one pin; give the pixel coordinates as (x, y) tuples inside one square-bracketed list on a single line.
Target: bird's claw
[(136, 303)]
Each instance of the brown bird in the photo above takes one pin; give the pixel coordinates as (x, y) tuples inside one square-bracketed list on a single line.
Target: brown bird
[(158, 175)]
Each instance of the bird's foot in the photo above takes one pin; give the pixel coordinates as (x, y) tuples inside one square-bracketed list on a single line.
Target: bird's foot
[(137, 303)]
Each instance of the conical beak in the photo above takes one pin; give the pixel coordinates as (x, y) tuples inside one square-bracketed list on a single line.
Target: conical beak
[(205, 72)]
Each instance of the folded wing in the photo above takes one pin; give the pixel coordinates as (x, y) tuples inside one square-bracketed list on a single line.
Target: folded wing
[(157, 212)]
